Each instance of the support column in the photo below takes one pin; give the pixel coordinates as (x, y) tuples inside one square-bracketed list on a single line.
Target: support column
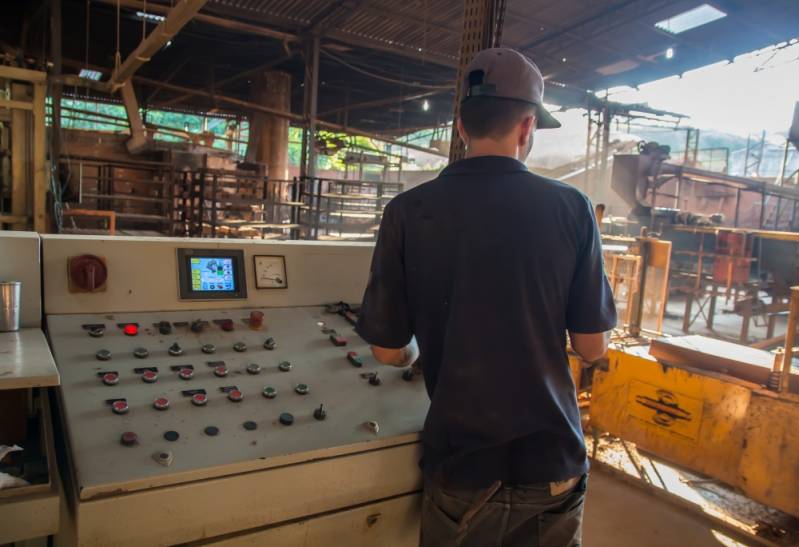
[(20, 156), (269, 134), (314, 96)]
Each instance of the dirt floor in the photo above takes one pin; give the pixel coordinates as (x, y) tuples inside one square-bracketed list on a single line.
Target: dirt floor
[(618, 514)]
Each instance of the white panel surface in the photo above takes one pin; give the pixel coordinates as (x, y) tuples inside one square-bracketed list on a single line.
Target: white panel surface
[(19, 261), (142, 273)]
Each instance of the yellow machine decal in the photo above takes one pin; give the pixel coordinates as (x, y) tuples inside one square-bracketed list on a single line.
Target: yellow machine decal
[(675, 412)]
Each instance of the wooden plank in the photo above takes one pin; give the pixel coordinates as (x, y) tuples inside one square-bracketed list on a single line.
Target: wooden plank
[(26, 360), (22, 74), (15, 105), (39, 159), (19, 158), (701, 352)]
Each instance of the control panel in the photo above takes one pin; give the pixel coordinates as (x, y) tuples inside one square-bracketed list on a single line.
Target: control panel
[(157, 398)]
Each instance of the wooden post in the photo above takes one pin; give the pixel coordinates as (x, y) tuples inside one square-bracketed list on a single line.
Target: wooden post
[(19, 157), (39, 159), (790, 336)]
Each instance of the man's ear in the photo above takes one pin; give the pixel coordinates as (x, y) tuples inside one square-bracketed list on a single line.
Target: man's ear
[(462, 131), (525, 127)]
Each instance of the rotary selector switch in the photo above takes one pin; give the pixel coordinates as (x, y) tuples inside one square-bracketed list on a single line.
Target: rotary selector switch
[(175, 350), (270, 343), (103, 355)]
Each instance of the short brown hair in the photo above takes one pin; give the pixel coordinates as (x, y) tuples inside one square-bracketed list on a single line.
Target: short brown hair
[(492, 117)]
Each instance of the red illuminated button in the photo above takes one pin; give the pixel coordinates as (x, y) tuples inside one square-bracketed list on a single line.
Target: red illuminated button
[(131, 329), (221, 371), (161, 403), (199, 399), (110, 378), (129, 438), (338, 340), (186, 373), (120, 407), (149, 376), (235, 395), (226, 324)]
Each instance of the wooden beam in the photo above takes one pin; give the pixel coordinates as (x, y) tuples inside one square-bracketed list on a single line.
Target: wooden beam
[(230, 24), (12, 219), (382, 102), (22, 74), (235, 78), (138, 139), (176, 19), (39, 159), (18, 105), (20, 154)]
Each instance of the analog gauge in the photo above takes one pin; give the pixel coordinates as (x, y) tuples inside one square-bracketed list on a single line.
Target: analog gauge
[(270, 272)]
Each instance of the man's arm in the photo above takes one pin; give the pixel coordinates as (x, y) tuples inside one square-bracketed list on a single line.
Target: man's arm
[(590, 346), (384, 320), (591, 312), (397, 357)]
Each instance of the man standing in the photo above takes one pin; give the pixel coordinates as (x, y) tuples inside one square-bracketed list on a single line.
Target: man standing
[(479, 274)]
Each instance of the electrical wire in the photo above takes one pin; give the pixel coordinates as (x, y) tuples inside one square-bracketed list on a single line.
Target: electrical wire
[(384, 78)]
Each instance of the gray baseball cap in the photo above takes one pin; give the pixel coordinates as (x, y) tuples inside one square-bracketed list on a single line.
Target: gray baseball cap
[(507, 74)]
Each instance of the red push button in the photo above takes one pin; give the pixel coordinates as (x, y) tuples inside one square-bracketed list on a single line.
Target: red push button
[(199, 399), (131, 329), (110, 378), (235, 395), (186, 373), (149, 376), (161, 403), (120, 407), (221, 371), (129, 438), (338, 340)]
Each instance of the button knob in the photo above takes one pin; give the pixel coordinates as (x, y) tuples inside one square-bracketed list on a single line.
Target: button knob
[(110, 378), (96, 332), (164, 327), (254, 368), (141, 353), (270, 343), (284, 366), (129, 438), (286, 418), (320, 413), (240, 347), (161, 403), (103, 355), (175, 350), (120, 407), (208, 348), (269, 392), (302, 389), (256, 319), (235, 395), (186, 373), (87, 273), (149, 376), (221, 371), (199, 399)]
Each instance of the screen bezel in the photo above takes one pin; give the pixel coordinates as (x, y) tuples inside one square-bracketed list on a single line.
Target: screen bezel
[(184, 274)]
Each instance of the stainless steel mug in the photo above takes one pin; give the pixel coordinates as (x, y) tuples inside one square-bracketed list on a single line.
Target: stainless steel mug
[(10, 292)]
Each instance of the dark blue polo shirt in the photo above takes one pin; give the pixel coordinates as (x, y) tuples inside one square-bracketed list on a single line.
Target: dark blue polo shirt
[(489, 265)]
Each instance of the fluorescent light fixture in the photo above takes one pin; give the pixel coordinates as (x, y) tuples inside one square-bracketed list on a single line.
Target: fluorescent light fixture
[(670, 53), (687, 20), (90, 74), (150, 17)]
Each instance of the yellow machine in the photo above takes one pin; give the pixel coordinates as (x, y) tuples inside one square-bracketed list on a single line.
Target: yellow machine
[(690, 413)]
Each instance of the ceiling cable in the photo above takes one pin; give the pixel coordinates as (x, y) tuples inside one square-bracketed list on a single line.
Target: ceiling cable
[(383, 78)]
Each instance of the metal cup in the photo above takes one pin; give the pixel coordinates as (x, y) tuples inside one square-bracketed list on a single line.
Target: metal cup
[(10, 292)]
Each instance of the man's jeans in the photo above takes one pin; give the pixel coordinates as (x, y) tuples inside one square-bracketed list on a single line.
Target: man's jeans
[(517, 516)]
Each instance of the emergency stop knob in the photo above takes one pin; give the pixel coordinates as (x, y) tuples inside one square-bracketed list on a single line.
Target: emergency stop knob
[(87, 273)]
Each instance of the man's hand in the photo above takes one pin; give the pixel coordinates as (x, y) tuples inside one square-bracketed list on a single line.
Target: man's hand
[(590, 346), (397, 357)]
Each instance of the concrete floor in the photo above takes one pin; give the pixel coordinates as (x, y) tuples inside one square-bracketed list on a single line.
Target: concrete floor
[(620, 515)]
